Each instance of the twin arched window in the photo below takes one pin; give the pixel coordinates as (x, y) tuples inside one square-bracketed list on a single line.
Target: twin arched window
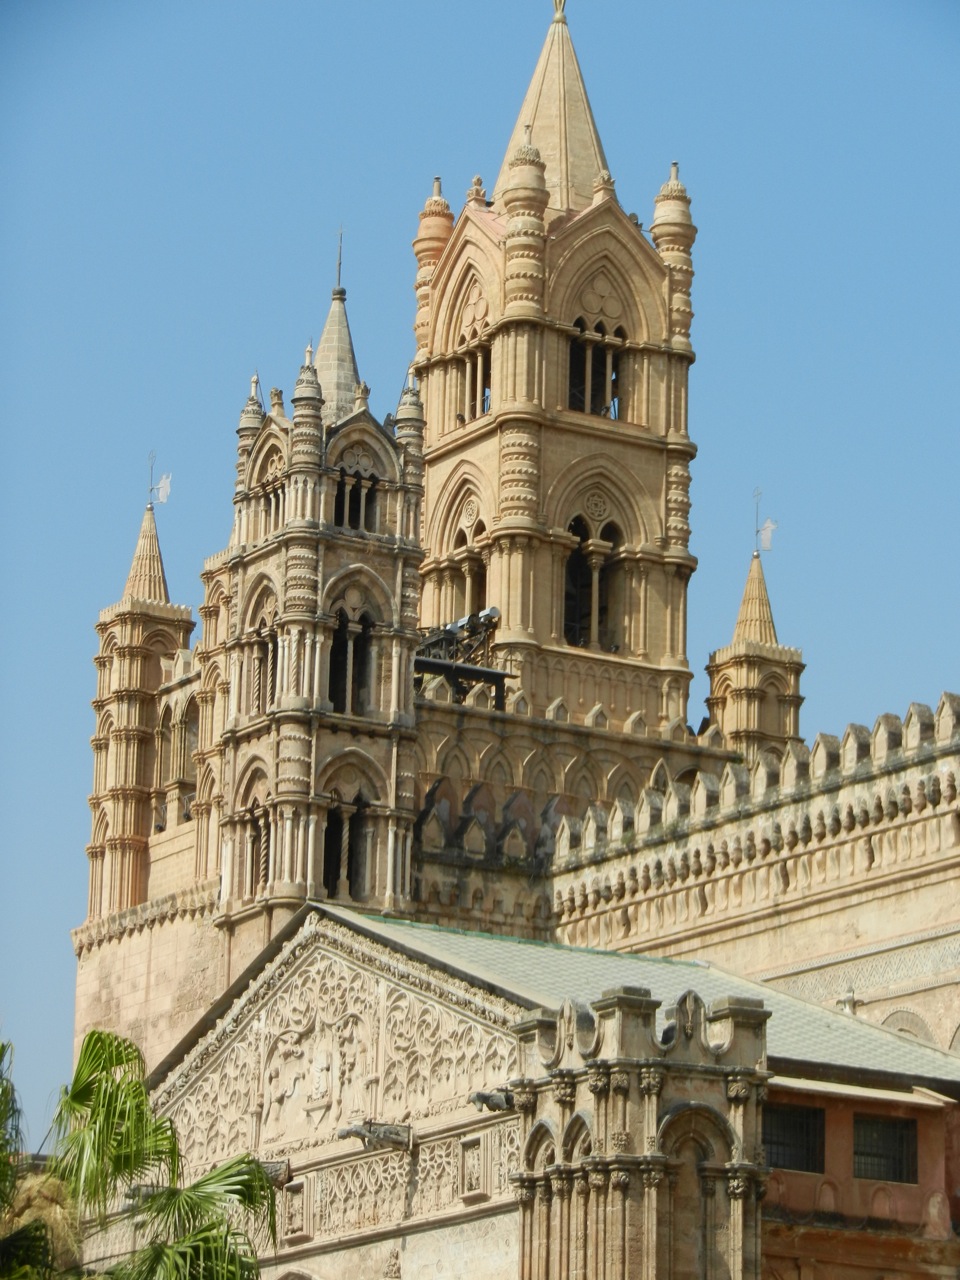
[(594, 588), (351, 665), (595, 370), (355, 504)]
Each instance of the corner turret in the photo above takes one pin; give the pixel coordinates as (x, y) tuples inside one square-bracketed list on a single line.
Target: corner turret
[(138, 636), (755, 681)]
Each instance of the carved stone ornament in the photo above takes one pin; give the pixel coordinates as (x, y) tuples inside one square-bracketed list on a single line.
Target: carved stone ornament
[(600, 298), (620, 1081), (651, 1080), (336, 1030), (524, 1099), (470, 513), (737, 1186), (598, 1081), (620, 1140), (595, 504), (564, 1089), (738, 1091), (392, 1270)]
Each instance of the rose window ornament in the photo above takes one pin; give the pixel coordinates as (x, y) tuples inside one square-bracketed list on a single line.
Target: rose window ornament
[(600, 297), (596, 504)]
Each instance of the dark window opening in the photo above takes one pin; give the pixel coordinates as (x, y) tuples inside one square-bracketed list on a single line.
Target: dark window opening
[(362, 662), (339, 664), (576, 396), (332, 846), (339, 502), (370, 506), (354, 502), (577, 589), (794, 1137), (884, 1148), (611, 587), (357, 855)]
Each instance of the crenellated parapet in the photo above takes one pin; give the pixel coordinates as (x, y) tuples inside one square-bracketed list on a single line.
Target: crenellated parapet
[(708, 864)]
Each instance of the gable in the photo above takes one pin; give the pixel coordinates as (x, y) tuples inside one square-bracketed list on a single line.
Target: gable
[(337, 1030)]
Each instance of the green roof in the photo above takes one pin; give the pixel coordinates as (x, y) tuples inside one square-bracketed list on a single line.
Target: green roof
[(544, 974)]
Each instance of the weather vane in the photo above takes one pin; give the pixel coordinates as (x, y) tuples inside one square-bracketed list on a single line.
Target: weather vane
[(160, 490), (763, 533)]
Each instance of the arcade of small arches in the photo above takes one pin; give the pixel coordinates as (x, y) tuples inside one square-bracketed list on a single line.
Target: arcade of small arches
[(346, 662), (343, 844)]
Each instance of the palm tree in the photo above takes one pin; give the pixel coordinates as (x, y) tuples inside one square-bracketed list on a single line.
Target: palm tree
[(26, 1246), (121, 1161), (120, 1164)]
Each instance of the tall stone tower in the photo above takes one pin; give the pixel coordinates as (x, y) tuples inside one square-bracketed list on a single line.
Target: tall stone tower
[(139, 638), (553, 355), (755, 681)]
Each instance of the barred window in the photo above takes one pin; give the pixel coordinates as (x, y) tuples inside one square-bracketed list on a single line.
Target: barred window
[(884, 1148), (793, 1137)]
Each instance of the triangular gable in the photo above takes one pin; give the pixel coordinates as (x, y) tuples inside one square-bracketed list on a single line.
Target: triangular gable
[(336, 1030)]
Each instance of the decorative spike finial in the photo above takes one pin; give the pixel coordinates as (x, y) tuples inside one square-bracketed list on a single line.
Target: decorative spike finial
[(437, 188), (339, 255), (558, 7)]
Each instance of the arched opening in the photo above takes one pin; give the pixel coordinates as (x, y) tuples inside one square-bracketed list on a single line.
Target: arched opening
[(594, 370), (577, 596), (356, 502), (362, 673), (345, 851), (332, 849), (579, 352), (611, 592), (338, 685)]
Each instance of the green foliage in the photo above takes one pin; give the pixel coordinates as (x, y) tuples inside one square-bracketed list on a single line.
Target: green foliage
[(26, 1249), (116, 1159), (107, 1137)]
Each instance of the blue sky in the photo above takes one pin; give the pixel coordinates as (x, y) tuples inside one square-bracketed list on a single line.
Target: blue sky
[(173, 180)]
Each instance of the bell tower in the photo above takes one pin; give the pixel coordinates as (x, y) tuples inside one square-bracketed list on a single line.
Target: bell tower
[(553, 355)]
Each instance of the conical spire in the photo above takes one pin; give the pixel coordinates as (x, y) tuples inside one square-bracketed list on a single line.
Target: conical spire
[(562, 125), (147, 580), (755, 620), (336, 362)]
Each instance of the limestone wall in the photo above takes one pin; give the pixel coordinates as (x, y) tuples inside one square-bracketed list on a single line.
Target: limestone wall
[(797, 871)]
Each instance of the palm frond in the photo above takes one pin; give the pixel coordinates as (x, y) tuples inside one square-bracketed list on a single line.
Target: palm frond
[(213, 1252), (11, 1133), (107, 1136), (239, 1186)]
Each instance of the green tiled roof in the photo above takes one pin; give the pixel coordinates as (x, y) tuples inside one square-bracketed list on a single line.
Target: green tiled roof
[(543, 974)]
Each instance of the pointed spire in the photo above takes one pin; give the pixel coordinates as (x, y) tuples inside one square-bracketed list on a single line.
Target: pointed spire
[(557, 109), (147, 580), (336, 362), (755, 620)]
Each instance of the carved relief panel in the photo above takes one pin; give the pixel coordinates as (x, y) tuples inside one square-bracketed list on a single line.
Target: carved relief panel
[(338, 1031)]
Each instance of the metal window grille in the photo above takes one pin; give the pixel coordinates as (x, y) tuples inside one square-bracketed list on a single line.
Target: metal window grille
[(793, 1137), (884, 1148)]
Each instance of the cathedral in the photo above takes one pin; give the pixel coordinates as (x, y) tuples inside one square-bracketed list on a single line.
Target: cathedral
[(408, 871)]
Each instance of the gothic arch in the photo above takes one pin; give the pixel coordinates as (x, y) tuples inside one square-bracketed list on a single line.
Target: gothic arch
[(375, 597), (253, 785), (350, 773), (577, 1139), (605, 247), (466, 480), (628, 505), (261, 604), (541, 1146), (475, 262), (268, 458), (910, 1024), (710, 1131), (373, 456)]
